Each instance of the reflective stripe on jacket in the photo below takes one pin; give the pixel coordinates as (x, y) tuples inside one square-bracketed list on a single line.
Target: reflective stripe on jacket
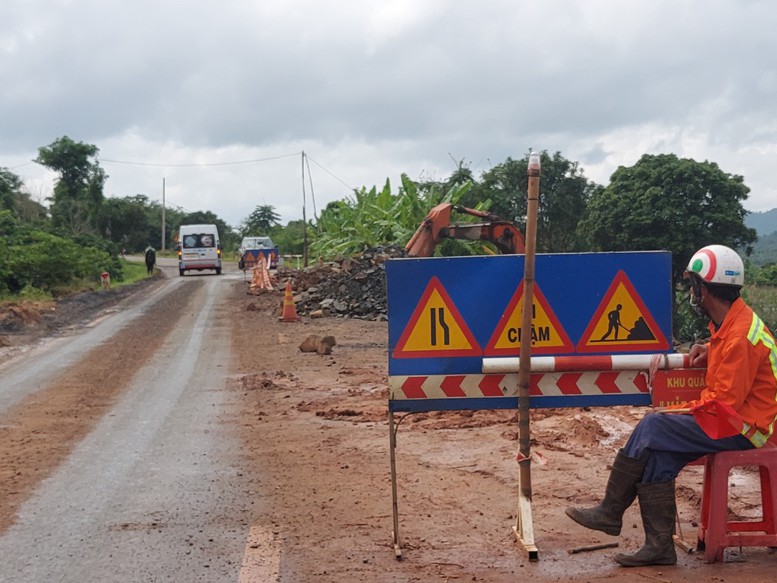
[(742, 371)]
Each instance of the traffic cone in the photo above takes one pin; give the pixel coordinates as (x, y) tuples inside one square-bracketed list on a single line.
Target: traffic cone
[(289, 309)]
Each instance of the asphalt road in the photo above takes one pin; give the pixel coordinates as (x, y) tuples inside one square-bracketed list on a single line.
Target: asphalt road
[(154, 492)]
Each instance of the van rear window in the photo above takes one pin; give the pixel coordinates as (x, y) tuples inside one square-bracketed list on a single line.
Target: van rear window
[(198, 240)]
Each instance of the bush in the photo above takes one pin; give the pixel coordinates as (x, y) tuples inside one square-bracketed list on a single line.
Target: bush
[(763, 300), (36, 259), (689, 327), (766, 275)]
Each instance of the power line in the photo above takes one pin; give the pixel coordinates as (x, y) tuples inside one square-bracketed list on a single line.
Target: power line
[(306, 158), (22, 164), (330, 173), (212, 164), (202, 165)]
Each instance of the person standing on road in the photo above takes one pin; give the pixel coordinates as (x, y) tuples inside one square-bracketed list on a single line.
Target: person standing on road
[(150, 259), (741, 362)]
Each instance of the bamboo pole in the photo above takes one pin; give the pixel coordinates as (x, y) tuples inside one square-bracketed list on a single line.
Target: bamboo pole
[(524, 528)]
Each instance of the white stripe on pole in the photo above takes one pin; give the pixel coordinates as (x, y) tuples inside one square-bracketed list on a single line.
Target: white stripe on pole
[(581, 363)]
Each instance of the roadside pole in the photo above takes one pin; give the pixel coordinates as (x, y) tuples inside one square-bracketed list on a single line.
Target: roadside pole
[(524, 528), (163, 215)]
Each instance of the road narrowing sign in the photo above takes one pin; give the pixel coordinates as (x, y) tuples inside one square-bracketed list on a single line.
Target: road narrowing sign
[(436, 328)]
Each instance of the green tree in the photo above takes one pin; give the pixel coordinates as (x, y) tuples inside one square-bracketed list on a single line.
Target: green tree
[(173, 218), (9, 227), (564, 195), (126, 222), (290, 238), (78, 193), (10, 191), (261, 221), (663, 202), (679, 205), (15, 198)]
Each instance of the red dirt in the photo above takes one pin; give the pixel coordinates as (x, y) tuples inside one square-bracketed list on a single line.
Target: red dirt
[(315, 441)]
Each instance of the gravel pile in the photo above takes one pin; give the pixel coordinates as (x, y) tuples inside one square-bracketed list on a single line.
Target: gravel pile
[(352, 287)]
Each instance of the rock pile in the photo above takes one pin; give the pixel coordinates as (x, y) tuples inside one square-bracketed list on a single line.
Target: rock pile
[(353, 287)]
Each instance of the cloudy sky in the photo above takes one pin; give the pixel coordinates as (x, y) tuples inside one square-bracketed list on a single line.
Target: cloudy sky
[(218, 98)]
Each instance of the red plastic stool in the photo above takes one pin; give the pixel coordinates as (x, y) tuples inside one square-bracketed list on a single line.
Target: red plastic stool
[(716, 532)]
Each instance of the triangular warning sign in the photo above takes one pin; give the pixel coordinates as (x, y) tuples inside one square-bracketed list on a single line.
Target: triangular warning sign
[(622, 323), (436, 328), (548, 336)]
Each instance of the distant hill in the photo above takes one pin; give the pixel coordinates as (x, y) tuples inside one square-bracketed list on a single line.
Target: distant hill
[(764, 223), (765, 250)]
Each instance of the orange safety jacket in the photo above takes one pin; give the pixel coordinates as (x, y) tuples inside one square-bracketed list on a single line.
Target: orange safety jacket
[(742, 371)]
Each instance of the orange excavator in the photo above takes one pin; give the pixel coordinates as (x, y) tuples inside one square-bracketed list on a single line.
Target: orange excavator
[(436, 226)]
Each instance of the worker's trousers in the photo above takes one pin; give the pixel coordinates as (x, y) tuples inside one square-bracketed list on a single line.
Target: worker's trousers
[(668, 442)]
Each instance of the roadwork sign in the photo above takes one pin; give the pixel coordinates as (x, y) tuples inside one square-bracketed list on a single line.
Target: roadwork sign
[(547, 333), (447, 314), (436, 328), (622, 323)]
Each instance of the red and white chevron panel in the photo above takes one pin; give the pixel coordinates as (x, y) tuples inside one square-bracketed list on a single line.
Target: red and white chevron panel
[(506, 385)]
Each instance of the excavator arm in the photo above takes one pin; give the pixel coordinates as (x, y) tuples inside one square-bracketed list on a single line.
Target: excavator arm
[(436, 226)]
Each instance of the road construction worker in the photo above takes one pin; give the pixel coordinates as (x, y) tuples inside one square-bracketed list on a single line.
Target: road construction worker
[(741, 362)]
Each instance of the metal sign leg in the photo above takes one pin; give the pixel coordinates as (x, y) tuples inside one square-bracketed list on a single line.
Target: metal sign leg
[(395, 508)]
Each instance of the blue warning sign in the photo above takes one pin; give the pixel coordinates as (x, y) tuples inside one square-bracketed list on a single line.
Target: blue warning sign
[(446, 314)]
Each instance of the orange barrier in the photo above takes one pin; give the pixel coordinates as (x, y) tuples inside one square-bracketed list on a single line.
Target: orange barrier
[(289, 309), (261, 278)]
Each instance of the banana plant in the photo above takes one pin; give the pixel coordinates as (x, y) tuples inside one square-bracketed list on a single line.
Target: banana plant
[(372, 218)]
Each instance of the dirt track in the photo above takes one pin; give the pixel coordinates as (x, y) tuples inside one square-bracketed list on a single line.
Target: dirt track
[(315, 438)]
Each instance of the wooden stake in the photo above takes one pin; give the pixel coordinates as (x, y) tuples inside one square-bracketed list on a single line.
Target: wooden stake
[(524, 528)]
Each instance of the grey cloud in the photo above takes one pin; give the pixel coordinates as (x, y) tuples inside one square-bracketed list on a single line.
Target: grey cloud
[(482, 80)]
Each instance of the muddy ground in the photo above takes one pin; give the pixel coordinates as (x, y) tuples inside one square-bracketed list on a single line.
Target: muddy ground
[(316, 432), (315, 441)]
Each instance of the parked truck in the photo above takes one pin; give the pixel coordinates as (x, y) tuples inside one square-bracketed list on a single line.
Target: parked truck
[(250, 249)]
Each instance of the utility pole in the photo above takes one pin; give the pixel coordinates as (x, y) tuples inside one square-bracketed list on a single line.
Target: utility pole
[(304, 219), (163, 215)]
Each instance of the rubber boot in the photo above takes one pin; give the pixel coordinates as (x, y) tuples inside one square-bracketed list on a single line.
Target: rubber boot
[(619, 494), (658, 509)]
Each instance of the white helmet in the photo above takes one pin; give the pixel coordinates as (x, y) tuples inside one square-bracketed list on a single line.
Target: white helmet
[(718, 264)]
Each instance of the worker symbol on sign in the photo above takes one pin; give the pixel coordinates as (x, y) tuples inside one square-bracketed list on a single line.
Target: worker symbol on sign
[(639, 331), (614, 318), (622, 322)]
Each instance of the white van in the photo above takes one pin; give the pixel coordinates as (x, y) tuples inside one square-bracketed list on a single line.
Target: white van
[(199, 247)]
